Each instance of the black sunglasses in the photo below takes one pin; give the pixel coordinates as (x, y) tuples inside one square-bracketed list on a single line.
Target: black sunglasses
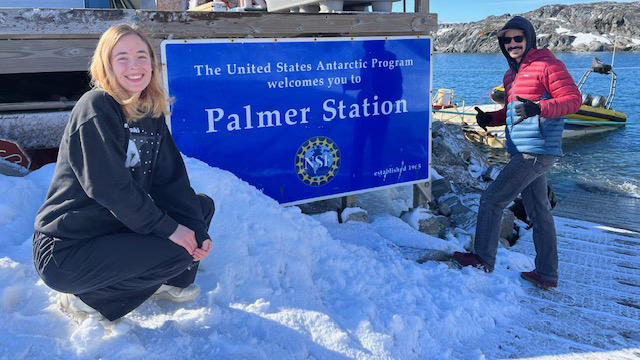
[(507, 39)]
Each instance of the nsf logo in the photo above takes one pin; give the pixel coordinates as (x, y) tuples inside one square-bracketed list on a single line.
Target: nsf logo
[(317, 161)]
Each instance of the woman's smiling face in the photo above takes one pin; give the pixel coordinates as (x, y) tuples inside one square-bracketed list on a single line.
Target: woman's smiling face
[(131, 64)]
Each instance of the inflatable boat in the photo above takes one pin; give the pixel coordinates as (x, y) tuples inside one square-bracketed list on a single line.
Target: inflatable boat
[(595, 110)]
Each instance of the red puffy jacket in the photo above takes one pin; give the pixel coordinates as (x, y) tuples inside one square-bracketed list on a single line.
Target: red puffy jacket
[(540, 73)]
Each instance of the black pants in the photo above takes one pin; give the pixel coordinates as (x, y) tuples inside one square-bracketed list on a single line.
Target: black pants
[(116, 273)]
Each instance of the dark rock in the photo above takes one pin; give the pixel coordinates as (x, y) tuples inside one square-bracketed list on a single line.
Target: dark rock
[(465, 155), (447, 160), (617, 23), (354, 214), (461, 215), (436, 225), (434, 255), (322, 206), (491, 173), (597, 46), (506, 226), (444, 209), (439, 187)]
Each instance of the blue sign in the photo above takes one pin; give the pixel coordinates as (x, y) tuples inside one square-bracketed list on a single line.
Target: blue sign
[(304, 119)]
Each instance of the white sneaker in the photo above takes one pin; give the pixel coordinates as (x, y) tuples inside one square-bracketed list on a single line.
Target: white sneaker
[(176, 294), (74, 307)]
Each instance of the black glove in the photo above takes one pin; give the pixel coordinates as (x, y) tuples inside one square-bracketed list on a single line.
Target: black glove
[(526, 110), (483, 119)]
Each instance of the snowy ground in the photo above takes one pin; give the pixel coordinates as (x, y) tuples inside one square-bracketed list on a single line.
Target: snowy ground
[(284, 285)]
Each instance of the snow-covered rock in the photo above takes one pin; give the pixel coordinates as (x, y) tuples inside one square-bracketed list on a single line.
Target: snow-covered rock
[(580, 27)]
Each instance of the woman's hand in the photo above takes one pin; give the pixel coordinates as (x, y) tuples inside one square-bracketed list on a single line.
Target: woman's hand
[(186, 238), (201, 253)]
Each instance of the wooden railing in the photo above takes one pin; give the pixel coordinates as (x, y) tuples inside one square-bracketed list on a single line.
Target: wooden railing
[(53, 40)]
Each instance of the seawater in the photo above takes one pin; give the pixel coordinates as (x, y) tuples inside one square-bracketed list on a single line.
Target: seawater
[(609, 161)]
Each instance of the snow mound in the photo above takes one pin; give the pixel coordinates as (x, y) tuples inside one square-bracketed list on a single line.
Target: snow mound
[(279, 284)]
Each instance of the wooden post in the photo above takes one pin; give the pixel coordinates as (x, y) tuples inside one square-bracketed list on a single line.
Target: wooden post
[(422, 6), (348, 201), (422, 194)]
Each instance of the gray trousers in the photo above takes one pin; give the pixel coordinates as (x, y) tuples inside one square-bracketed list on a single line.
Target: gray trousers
[(525, 174)]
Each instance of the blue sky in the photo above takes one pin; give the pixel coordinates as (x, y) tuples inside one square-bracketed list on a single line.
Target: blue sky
[(475, 10)]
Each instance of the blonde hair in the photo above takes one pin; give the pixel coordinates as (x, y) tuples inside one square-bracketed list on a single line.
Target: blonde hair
[(152, 101)]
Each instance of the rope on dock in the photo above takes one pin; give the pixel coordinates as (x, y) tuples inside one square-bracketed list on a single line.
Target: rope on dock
[(454, 112)]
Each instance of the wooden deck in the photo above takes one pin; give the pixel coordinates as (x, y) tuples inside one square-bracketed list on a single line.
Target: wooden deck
[(595, 311), (613, 210)]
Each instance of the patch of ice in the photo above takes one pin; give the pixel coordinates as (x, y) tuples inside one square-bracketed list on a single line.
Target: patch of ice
[(586, 39), (443, 31), (475, 169), (328, 217), (351, 210), (413, 217), (435, 175)]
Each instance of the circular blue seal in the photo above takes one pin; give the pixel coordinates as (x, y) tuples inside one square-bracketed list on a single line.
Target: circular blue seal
[(317, 161)]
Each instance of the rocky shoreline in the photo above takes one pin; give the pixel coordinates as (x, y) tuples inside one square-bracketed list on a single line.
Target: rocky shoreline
[(581, 27), (460, 173)]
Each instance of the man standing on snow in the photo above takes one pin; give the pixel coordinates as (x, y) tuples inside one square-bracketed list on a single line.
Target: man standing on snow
[(539, 91)]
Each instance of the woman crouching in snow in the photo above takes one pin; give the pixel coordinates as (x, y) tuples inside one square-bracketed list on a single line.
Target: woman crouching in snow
[(121, 222)]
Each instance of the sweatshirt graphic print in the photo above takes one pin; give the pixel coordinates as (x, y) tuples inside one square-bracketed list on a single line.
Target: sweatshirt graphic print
[(142, 150)]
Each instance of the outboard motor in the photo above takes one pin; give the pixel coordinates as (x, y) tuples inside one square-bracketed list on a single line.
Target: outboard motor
[(600, 67), (598, 101), (497, 95)]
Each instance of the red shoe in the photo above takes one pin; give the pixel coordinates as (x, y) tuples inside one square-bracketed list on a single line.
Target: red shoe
[(534, 278), (469, 259)]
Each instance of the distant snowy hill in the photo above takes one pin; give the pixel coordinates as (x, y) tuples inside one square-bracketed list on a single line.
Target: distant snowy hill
[(580, 27)]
